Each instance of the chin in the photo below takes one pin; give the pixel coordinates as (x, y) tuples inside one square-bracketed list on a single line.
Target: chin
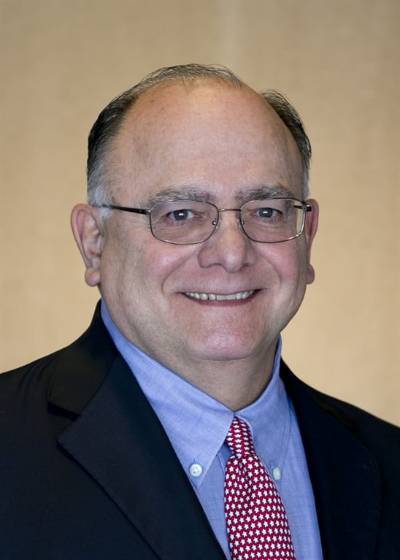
[(224, 348)]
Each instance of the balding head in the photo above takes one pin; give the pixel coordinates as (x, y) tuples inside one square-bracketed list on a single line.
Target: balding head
[(113, 115)]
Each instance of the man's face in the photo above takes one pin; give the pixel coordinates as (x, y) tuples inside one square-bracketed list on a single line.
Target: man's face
[(220, 142)]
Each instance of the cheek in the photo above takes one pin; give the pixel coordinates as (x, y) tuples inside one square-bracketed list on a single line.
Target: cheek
[(289, 264), (118, 264), (157, 267)]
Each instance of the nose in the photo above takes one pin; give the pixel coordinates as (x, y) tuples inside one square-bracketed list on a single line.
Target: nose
[(228, 247)]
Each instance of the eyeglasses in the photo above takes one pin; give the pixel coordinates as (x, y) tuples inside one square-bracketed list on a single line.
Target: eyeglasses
[(187, 222)]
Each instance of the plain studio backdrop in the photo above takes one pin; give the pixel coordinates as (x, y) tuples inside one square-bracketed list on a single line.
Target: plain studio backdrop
[(337, 61)]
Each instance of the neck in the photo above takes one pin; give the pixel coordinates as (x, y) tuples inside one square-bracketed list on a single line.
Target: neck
[(236, 383)]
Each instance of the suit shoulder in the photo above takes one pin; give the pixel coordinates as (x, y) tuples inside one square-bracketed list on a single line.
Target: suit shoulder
[(369, 429), (30, 376), (40, 372), (359, 419), (379, 436), (67, 378)]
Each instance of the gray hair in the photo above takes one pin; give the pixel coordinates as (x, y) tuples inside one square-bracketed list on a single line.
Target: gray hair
[(111, 117)]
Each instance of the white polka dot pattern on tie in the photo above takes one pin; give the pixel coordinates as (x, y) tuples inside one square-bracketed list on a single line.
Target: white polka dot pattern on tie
[(256, 520)]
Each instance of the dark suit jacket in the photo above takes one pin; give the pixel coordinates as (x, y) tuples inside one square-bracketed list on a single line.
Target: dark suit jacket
[(87, 472)]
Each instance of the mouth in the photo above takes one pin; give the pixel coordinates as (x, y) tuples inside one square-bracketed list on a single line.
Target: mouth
[(230, 298)]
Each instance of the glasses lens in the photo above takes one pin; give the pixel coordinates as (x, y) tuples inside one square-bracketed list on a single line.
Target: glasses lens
[(183, 222), (273, 220)]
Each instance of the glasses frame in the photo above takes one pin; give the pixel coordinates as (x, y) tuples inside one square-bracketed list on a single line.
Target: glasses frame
[(301, 204)]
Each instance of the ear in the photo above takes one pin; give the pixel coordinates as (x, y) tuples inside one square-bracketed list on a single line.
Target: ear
[(88, 233), (310, 229)]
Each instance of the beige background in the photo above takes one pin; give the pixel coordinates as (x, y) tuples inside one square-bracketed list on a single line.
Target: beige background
[(337, 61)]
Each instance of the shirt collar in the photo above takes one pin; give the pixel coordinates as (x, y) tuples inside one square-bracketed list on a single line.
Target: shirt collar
[(196, 424)]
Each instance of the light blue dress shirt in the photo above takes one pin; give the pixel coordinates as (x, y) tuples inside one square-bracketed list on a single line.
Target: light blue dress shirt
[(196, 425)]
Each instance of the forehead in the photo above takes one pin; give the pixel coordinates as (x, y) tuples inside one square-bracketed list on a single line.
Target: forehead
[(205, 134)]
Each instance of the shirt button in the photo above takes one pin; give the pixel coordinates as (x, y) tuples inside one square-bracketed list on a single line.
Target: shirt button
[(195, 470), (276, 473)]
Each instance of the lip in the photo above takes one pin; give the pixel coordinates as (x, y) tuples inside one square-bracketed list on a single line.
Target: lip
[(221, 299)]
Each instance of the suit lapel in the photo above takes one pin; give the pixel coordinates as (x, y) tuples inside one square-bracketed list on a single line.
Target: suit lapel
[(118, 439), (344, 475)]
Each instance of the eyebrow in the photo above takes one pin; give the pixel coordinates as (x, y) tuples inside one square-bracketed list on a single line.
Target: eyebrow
[(172, 194), (263, 191)]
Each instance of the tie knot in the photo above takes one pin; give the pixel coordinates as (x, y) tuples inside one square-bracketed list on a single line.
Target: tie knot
[(239, 438)]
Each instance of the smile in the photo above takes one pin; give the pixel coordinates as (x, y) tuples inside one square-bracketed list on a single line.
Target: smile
[(203, 296)]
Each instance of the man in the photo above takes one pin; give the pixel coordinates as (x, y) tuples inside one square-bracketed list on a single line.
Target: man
[(170, 429)]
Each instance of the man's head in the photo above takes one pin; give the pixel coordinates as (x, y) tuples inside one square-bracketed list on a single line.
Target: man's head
[(202, 137)]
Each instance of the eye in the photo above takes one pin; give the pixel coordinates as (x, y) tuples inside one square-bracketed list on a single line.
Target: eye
[(180, 215), (266, 213)]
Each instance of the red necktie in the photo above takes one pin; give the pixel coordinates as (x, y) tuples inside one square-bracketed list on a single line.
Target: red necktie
[(256, 520)]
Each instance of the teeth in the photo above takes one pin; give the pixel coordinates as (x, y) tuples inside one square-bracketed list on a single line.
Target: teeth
[(220, 297)]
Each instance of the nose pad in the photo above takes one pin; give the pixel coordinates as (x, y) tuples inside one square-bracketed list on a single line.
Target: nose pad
[(217, 222), (228, 247)]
